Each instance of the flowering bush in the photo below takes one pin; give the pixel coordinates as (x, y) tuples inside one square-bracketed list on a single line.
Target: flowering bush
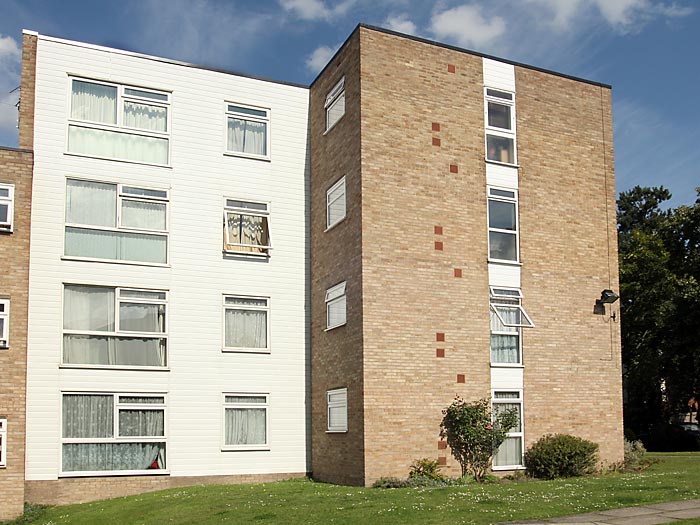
[(474, 434)]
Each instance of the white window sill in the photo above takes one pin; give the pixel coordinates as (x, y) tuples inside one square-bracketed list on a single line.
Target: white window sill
[(265, 158), (508, 467), (329, 328), (506, 365), (255, 448), (6, 231), (115, 367), (334, 125), (139, 162), (334, 224), (506, 164), (247, 255), (110, 473), (113, 261), (505, 261), (246, 350), (337, 431)]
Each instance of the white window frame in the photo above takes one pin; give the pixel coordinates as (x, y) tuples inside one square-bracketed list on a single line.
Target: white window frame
[(5, 332), (120, 127), (343, 403), (117, 332), (512, 303), (3, 443), (331, 201), (116, 438), (331, 100), (521, 433), (336, 294), (266, 406), (266, 214), (490, 96), (233, 114), (226, 306), (123, 194), (493, 196), (507, 294), (8, 226)]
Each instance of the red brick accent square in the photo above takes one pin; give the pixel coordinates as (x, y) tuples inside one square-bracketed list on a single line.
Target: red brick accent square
[(439, 336), (436, 126), (458, 272), (438, 245), (460, 378), (438, 230), (442, 460), (440, 352), (451, 68), (454, 168), (436, 141), (442, 445)]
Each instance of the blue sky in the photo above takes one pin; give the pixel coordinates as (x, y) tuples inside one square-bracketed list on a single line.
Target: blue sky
[(648, 50)]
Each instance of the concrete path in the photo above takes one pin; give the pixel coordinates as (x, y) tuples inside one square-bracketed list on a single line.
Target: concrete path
[(642, 515)]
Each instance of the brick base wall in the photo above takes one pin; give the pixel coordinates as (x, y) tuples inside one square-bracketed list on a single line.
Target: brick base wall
[(68, 491)]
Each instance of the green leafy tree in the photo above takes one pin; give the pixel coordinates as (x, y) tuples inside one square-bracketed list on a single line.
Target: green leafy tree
[(474, 434)]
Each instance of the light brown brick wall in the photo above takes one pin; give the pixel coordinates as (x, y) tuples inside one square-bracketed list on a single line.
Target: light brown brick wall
[(68, 491), (569, 254), (409, 287), (26, 108), (15, 168), (336, 360)]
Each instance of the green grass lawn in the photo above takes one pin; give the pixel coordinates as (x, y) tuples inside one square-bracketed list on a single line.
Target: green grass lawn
[(676, 477)]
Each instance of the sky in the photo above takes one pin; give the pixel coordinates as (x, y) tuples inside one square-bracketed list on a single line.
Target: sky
[(647, 50)]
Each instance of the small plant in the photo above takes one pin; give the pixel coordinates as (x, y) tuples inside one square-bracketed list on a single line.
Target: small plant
[(634, 453), (426, 468), (561, 456), (474, 435), (390, 482)]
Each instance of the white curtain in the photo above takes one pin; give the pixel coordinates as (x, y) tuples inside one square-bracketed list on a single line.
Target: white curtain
[(88, 308), (138, 317), (122, 246), (112, 350), (91, 203), (509, 453), (144, 215), (245, 426), (247, 229), (246, 329), (94, 102), (88, 416), (335, 111), (145, 116), (141, 423), (117, 145), (247, 136), (505, 349), (90, 457)]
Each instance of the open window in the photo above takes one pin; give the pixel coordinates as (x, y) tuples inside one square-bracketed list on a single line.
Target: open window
[(506, 305), (335, 306), (4, 323), (3, 443), (335, 104), (247, 227)]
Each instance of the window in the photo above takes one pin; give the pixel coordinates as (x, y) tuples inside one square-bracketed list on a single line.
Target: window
[(122, 327), (113, 433), (246, 323), (7, 207), (113, 121), (247, 130), (500, 126), (116, 222), (506, 306), (335, 306), (4, 323), (503, 225), (3, 443), (505, 340), (337, 410), (335, 104), (245, 421), (510, 453), (247, 227), (335, 203)]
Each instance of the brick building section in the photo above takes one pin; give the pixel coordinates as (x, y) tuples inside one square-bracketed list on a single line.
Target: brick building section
[(569, 253), (411, 94), (68, 491), (335, 257), (26, 109), (15, 168)]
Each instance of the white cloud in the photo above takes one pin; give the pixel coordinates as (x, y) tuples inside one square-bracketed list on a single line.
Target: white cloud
[(317, 60), (10, 66), (466, 26), (401, 23), (316, 9)]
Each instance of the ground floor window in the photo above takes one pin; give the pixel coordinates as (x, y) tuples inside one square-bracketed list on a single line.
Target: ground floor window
[(108, 433), (3, 443), (245, 421), (510, 453)]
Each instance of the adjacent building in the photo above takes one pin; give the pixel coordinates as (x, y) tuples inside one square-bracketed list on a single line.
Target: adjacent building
[(235, 279)]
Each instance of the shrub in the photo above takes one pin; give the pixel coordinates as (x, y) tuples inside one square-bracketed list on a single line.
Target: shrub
[(474, 435), (426, 468), (561, 456), (634, 452), (390, 482)]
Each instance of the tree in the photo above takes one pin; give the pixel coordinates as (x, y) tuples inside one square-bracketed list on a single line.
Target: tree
[(474, 435), (660, 305)]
